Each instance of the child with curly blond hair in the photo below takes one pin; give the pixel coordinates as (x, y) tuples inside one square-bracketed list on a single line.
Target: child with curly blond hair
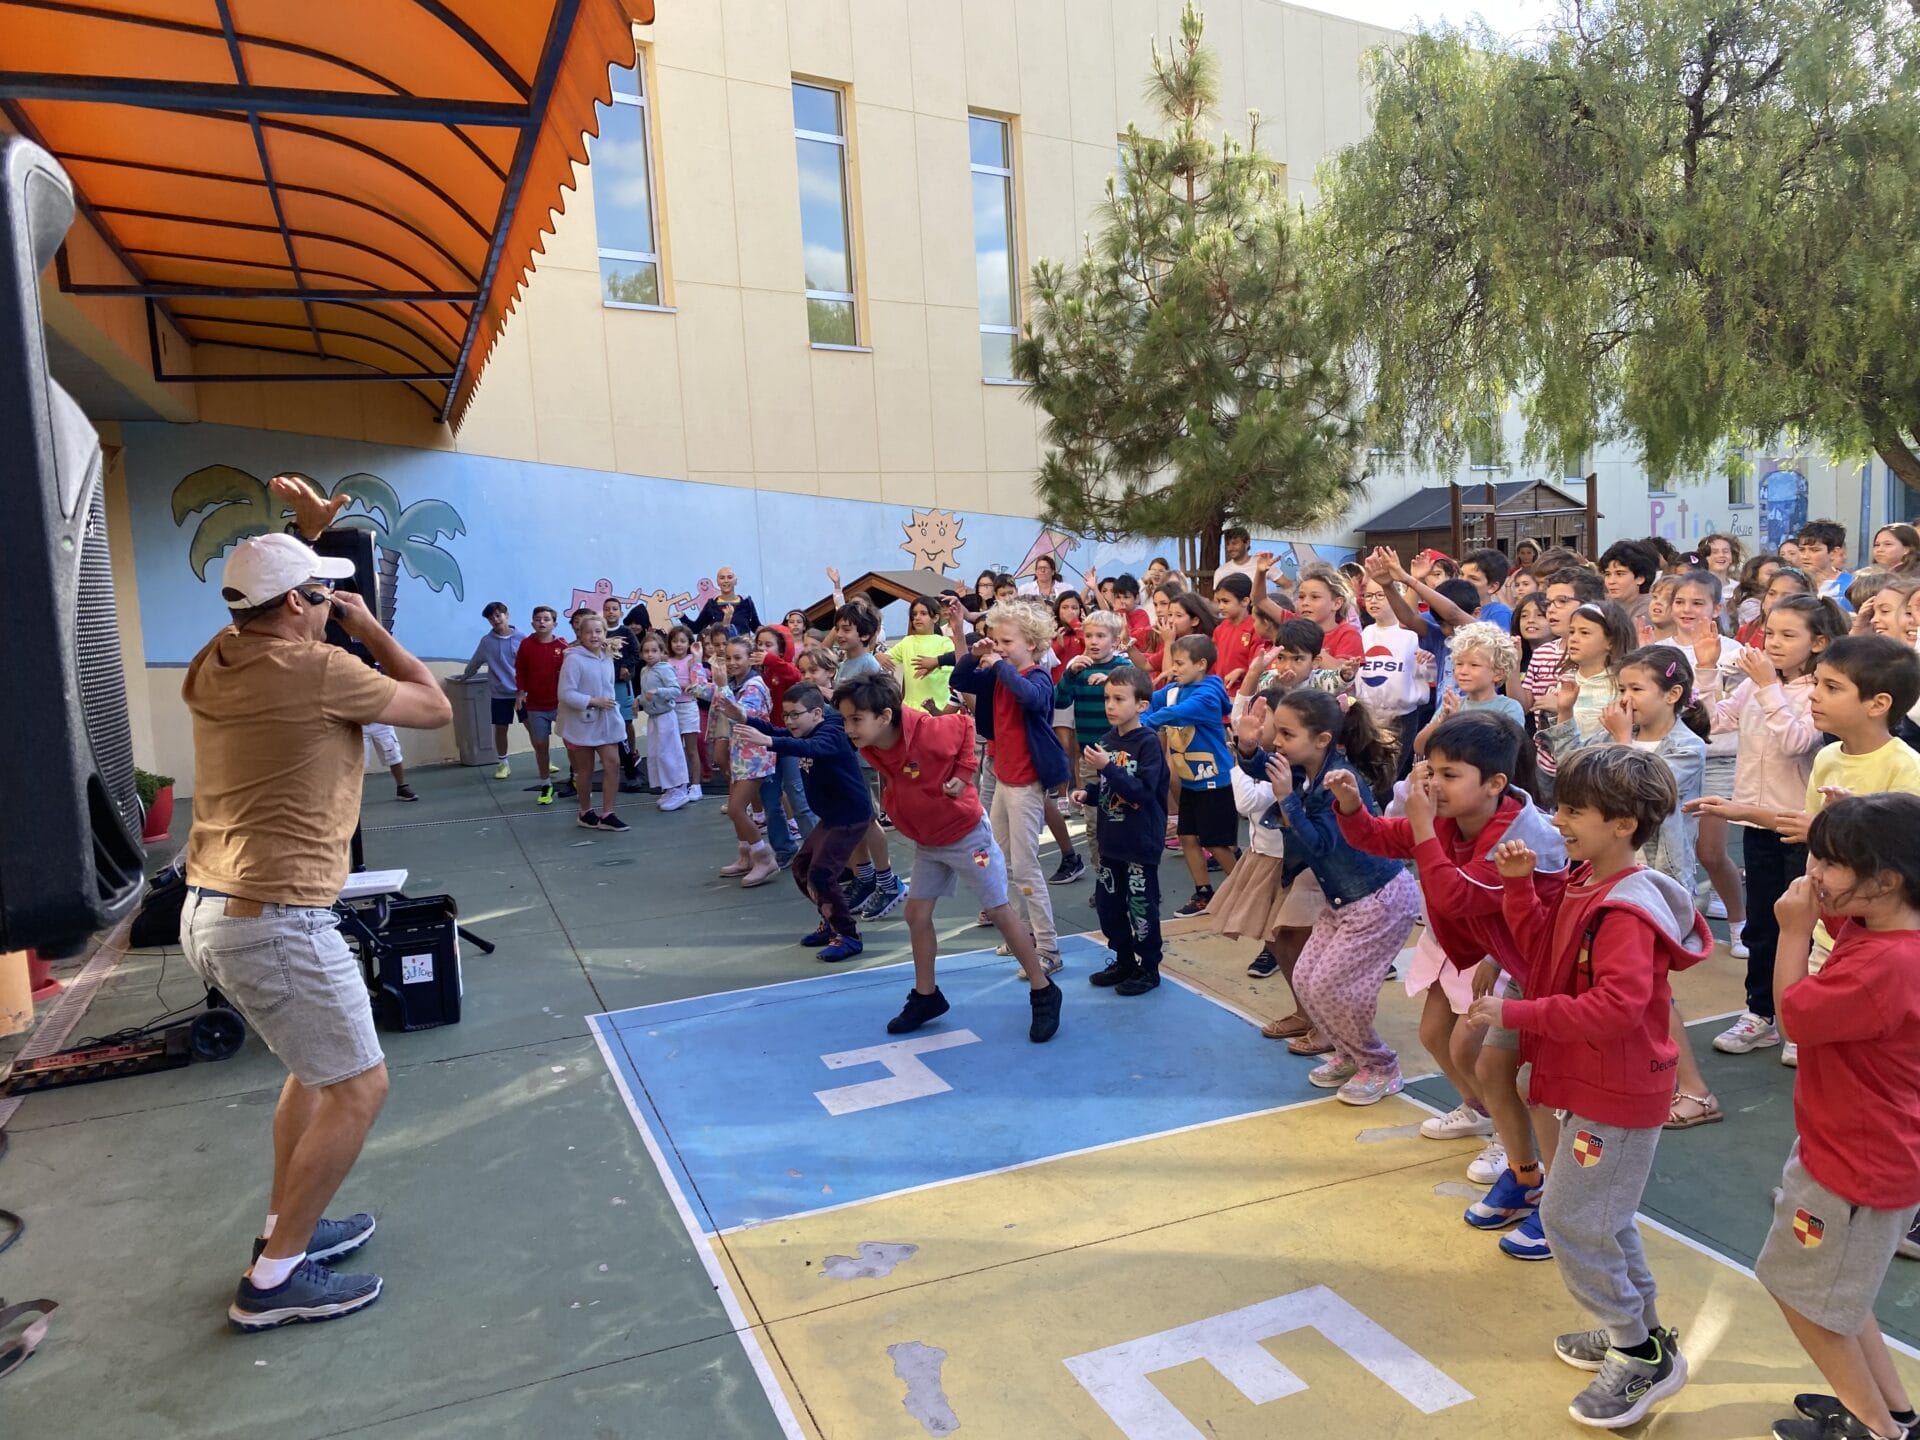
[(1013, 711), (1483, 655)]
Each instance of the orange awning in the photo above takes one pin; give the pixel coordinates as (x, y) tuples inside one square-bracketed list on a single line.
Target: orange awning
[(359, 184)]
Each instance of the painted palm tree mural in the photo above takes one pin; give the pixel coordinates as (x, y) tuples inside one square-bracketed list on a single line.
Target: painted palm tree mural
[(237, 504)]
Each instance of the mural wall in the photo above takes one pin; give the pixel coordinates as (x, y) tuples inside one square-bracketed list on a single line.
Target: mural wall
[(457, 531)]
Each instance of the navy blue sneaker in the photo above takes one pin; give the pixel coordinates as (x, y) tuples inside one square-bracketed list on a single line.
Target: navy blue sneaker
[(844, 947), (312, 1293), (1508, 1201), (814, 939), (860, 893), (332, 1238), (1527, 1240)]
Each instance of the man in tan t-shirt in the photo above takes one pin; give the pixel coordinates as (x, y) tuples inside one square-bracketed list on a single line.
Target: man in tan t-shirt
[(277, 771)]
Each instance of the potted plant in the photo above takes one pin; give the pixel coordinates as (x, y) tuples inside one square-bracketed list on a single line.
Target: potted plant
[(156, 800)]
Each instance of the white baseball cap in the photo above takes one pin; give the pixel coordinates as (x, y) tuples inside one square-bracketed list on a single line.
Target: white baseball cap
[(262, 568)]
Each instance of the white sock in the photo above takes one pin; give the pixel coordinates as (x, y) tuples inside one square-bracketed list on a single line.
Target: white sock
[(272, 1274), (266, 1230), (1734, 928)]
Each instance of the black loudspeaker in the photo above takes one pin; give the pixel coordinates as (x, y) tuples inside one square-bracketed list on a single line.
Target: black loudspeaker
[(70, 854), (350, 543)]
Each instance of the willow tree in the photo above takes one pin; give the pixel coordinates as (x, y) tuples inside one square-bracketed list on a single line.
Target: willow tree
[(1677, 222), (1187, 377)]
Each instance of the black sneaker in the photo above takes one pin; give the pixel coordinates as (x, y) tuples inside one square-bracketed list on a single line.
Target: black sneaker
[(587, 820), (1072, 867), (1202, 898), (311, 1293), (1213, 865), (918, 1010), (861, 892), (1839, 1425), (1046, 1013), (404, 792), (1116, 971), (613, 822), (1263, 964), (1824, 1410), (1146, 978), (1909, 1246)]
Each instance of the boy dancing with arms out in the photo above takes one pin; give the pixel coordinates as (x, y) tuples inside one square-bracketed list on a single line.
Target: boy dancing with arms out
[(1596, 1029), (927, 763), (1128, 788), (1853, 1177), (1014, 711), (837, 794)]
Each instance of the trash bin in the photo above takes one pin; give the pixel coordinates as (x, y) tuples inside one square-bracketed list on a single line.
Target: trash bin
[(472, 718)]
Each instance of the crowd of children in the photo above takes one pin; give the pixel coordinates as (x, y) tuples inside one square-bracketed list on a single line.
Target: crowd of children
[(1544, 756)]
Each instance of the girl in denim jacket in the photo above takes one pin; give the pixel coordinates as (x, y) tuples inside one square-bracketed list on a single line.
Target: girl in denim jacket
[(1329, 745)]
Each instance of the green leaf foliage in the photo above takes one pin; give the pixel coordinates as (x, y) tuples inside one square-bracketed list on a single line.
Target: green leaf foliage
[(1674, 222), (1185, 369)]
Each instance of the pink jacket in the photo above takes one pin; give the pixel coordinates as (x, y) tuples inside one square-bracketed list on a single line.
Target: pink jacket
[(1777, 741)]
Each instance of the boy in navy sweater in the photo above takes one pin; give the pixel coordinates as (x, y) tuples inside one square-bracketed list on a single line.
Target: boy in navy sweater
[(1128, 790), (837, 791), (1196, 726)]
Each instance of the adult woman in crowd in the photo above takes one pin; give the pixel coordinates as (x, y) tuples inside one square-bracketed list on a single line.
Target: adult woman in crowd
[(729, 608)]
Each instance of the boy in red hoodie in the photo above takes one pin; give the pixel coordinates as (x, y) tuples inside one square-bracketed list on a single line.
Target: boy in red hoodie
[(926, 764), (1460, 807), (773, 646), (1596, 1029)]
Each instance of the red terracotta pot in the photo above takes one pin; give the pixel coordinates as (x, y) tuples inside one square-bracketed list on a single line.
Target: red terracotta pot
[(159, 815)]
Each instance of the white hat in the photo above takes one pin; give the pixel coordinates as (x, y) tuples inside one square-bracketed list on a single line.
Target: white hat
[(262, 568)]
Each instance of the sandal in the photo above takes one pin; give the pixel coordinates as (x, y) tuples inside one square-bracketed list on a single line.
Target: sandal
[(1688, 1111), (1311, 1043), (1287, 1029)]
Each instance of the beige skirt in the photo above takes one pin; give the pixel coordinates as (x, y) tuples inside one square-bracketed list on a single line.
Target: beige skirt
[(1248, 899)]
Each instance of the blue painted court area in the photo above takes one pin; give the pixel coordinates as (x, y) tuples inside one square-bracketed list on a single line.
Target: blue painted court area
[(791, 1098)]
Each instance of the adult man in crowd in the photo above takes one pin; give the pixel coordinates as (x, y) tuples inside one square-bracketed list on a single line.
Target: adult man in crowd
[(277, 772), (1238, 561)]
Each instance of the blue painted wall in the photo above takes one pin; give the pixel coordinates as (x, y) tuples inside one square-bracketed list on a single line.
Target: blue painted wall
[(534, 534)]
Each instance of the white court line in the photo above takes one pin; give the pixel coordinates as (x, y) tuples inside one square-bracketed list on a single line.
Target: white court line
[(1029, 1164), (743, 1328)]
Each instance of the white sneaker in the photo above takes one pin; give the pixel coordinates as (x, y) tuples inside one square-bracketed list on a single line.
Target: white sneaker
[(1750, 1032), (1460, 1121), (1790, 1055), (1489, 1165), (694, 792), (1715, 908), (675, 798), (1737, 941)]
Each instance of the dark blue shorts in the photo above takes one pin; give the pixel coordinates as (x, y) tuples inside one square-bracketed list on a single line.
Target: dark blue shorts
[(503, 710)]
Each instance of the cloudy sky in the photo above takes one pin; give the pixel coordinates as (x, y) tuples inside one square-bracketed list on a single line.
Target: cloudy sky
[(1507, 17)]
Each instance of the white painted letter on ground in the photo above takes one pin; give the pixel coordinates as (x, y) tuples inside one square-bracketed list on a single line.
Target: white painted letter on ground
[(1120, 1377), (908, 1077)]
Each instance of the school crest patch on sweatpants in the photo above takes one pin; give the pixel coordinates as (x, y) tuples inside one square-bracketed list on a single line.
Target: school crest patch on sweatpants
[(1809, 1230), (1587, 1148)]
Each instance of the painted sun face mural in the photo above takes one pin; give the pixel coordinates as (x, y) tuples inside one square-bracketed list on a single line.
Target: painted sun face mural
[(933, 539)]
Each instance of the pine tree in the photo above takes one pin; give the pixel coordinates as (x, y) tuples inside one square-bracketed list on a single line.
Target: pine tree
[(1185, 372)]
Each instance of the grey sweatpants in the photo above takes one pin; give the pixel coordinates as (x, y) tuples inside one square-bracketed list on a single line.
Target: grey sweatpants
[(1599, 1174)]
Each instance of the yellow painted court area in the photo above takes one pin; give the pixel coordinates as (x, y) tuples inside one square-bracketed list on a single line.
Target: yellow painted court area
[(1303, 1235)]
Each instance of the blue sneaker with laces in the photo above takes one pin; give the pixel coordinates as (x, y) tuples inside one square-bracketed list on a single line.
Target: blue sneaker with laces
[(1527, 1240), (1507, 1202), (312, 1293), (814, 939), (844, 947), (332, 1239)]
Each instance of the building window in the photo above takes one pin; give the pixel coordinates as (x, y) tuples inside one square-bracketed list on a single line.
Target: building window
[(1737, 487), (995, 253), (623, 198), (820, 138)]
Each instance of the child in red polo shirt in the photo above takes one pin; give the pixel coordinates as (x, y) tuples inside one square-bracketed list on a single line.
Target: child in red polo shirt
[(1235, 638), (1595, 1025), (1853, 1178), (926, 763)]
